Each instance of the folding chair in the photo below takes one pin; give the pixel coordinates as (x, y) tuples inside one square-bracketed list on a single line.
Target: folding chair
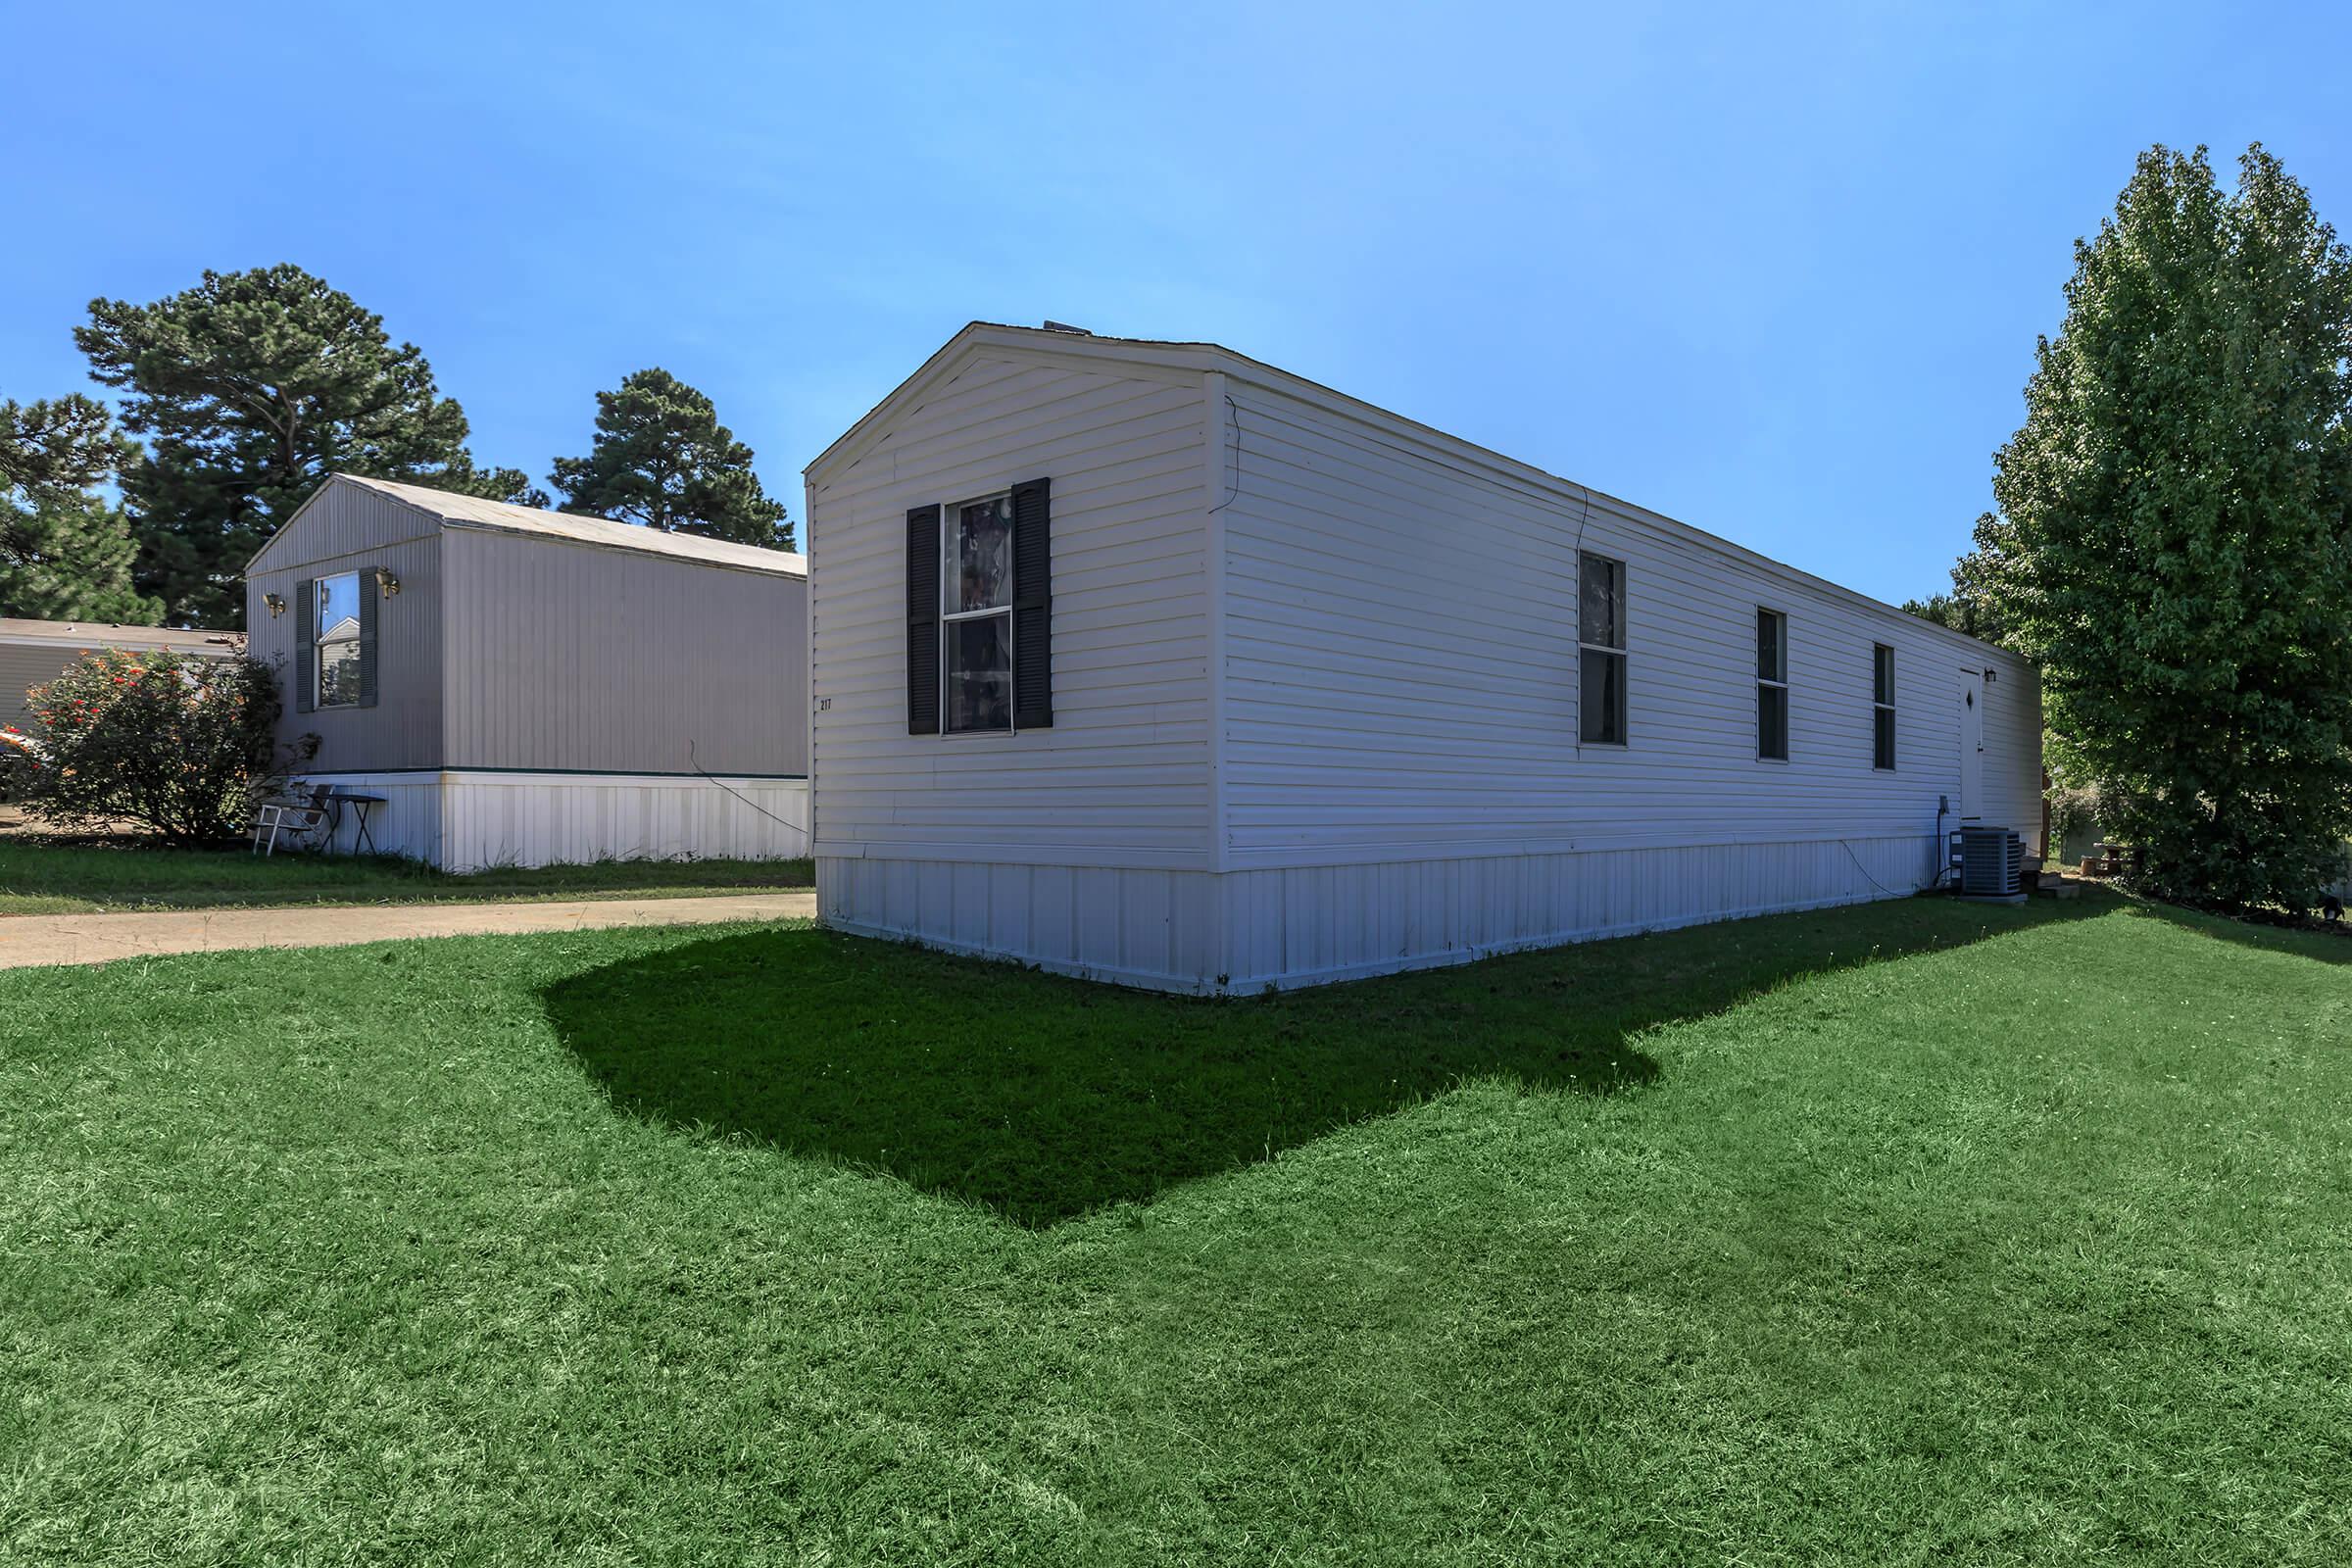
[(294, 815)]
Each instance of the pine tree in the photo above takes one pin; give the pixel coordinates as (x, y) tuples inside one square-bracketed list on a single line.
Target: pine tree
[(66, 443), (250, 388), (661, 457), (66, 554), (2175, 536)]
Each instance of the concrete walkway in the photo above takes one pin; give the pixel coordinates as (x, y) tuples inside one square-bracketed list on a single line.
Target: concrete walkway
[(36, 938)]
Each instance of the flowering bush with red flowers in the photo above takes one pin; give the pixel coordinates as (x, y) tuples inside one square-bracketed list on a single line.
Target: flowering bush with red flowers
[(179, 744)]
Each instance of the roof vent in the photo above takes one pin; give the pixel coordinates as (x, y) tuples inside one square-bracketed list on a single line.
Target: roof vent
[(1064, 326)]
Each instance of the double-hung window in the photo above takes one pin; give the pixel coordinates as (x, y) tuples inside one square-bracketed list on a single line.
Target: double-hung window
[(1772, 686), (334, 631), (1600, 650), (1881, 707), (980, 613), (976, 616)]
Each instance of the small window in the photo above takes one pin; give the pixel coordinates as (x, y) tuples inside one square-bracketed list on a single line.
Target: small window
[(976, 609), (1772, 685), (336, 633), (1600, 650), (1881, 707)]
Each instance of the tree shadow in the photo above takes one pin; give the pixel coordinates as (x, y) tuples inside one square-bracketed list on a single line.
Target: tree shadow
[(2319, 943), (1045, 1097)]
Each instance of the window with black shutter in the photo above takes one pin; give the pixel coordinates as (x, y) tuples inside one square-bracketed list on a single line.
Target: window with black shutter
[(305, 645), (1032, 604), (1772, 686), (979, 613), (1600, 652), (922, 621), (1881, 707)]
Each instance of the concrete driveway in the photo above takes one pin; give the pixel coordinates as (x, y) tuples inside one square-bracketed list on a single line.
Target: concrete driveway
[(27, 939)]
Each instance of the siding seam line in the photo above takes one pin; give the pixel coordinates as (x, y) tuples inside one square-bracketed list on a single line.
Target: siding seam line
[(1213, 555)]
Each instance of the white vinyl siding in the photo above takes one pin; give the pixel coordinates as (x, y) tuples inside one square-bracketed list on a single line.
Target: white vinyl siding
[(1317, 686), (1121, 778), (1452, 728)]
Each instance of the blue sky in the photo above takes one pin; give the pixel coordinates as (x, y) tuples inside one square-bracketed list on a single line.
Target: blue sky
[(1778, 277)]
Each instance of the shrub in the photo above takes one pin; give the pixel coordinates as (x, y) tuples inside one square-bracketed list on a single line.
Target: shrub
[(2074, 809), (177, 744)]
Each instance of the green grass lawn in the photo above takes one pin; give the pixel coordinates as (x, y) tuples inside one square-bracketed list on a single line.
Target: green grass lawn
[(1914, 1233), (44, 877)]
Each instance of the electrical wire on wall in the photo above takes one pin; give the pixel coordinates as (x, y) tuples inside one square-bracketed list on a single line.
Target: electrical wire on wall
[(1233, 415), (806, 843), (1865, 871)]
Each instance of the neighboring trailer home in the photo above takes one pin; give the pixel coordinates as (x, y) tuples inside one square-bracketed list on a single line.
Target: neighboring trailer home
[(524, 687), (1150, 663), (35, 652)]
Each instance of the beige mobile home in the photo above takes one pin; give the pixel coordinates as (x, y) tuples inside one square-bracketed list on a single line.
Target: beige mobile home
[(34, 652), (523, 687), (1151, 663)]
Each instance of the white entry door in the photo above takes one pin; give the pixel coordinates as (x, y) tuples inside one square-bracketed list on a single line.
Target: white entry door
[(1972, 744)]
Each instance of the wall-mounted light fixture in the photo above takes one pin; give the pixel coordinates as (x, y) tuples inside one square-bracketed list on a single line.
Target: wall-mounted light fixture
[(385, 583), (276, 603), (1991, 676)]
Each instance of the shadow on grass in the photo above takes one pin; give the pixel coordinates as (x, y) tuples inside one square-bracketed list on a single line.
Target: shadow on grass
[(1045, 1097), (2325, 944)]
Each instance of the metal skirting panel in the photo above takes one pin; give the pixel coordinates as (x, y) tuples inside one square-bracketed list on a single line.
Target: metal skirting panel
[(407, 823), (1151, 929), (1314, 924), (1238, 932), (470, 822)]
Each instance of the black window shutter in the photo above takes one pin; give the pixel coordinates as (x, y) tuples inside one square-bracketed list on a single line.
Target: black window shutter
[(368, 612), (1032, 604), (306, 644), (922, 622)]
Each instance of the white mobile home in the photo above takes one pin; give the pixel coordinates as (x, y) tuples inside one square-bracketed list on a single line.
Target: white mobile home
[(520, 687), (1151, 663)]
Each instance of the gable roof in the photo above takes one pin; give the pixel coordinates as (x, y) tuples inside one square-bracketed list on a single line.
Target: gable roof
[(1193, 358), (499, 516)]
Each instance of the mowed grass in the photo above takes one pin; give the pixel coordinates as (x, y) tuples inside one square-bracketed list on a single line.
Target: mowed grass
[(48, 877), (1914, 1233)]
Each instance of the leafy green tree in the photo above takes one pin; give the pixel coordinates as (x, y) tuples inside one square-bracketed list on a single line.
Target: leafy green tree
[(1966, 607), (661, 457), (2173, 542), (250, 388), (66, 554)]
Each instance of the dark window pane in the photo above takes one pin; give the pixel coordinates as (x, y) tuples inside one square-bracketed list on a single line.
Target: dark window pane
[(980, 556), (1600, 713), (1883, 746), (1600, 603), (1771, 650), (1772, 722), (979, 675), (1882, 675)]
